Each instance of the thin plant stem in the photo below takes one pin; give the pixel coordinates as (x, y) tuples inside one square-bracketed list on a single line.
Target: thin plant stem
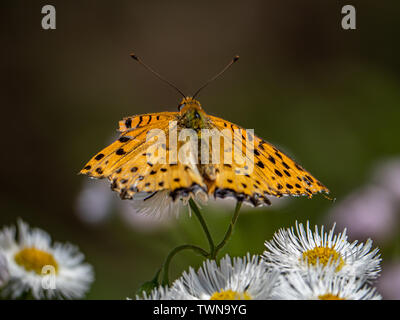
[(229, 231), (213, 249), (197, 212), (165, 280)]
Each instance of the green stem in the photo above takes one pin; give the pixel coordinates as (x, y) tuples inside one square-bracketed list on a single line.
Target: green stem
[(229, 231), (197, 212), (165, 280), (213, 249)]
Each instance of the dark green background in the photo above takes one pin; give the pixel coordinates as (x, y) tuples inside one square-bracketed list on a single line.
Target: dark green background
[(327, 96)]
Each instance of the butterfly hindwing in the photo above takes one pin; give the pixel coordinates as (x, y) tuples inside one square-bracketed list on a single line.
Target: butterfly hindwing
[(142, 174)]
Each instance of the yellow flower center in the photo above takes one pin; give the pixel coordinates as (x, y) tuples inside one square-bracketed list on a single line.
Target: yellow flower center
[(329, 296), (230, 295), (323, 255), (33, 259)]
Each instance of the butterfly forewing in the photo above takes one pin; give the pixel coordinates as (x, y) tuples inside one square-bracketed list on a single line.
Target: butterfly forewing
[(145, 120), (126, 146)]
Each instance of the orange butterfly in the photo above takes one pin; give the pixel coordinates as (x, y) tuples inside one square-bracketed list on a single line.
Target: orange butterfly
[(127, 163)]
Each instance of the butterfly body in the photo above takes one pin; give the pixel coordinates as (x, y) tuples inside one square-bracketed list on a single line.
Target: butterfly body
[(191, 115), (129, 165)]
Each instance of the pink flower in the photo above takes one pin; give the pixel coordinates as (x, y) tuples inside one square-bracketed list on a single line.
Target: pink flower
[(367, 213), (389, 282)]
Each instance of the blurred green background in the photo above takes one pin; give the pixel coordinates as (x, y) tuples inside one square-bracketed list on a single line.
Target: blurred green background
[(329, 97)]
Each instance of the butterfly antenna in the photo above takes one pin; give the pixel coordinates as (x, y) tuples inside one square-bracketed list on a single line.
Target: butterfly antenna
[(135, 57), (235, 58)]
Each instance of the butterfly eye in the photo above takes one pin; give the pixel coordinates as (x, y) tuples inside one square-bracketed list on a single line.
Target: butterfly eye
[(181, 106)]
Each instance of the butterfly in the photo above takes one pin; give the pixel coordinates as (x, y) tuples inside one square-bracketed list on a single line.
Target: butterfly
[(128, 163)]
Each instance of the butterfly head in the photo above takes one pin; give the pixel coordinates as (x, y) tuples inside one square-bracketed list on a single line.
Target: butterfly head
[(192, 115), (188, 103)]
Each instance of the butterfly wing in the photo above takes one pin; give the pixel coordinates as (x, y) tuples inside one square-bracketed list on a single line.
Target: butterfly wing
[(273, 172), (146, 120), (138, 161), (141, 163)]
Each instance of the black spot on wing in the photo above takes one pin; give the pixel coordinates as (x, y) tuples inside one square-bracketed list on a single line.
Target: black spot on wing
[(99, 156), (128, 123), (120, 152), (124, 139)]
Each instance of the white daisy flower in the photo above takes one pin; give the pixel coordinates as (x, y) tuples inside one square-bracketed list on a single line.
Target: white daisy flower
[(160, 293), (323, 283), (41, 269), (298, 252), (243, 279), (4, 273)]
